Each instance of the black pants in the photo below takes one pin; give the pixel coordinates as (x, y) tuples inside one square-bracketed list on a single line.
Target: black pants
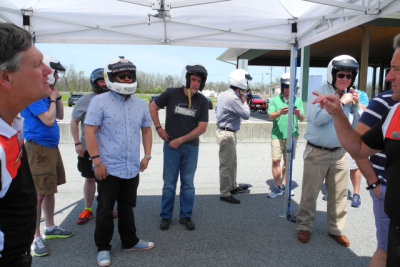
[(393, 251), (25, 260), (124, 192)]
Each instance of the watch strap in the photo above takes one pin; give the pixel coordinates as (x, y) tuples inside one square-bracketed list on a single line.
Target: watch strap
[(94, 157), (372, 186)]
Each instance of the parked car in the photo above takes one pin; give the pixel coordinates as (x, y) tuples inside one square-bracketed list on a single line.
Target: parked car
[(152, 98), (74, 98), (210, 103), (258, 104)]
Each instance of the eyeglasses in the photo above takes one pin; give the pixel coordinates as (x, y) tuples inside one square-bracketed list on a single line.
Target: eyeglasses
[(348, 76), (285, 86), (123, 76)]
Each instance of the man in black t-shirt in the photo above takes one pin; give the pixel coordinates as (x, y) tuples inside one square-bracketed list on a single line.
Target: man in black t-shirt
[(186, 120), (385, 136)]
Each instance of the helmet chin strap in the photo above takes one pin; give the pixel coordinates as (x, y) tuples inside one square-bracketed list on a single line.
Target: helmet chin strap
[(189, 94)]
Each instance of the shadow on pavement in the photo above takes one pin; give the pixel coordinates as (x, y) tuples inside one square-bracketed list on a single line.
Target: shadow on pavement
[(249, 234)]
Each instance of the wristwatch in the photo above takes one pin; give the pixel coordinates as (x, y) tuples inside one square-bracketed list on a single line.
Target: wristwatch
[(147, 156), (372, 186)]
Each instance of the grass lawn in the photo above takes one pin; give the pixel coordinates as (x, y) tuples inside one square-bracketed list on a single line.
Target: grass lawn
[(145, 97), (66, 95)]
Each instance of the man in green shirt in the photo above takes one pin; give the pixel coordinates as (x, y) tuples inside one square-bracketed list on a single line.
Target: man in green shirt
[(278, 112)]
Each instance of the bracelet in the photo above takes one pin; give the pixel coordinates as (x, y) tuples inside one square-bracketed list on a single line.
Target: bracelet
[(147, 157), (58, 98), (158, 127), (94, 157), (52, 101), (372, 186), (77, 144), (97, 165)]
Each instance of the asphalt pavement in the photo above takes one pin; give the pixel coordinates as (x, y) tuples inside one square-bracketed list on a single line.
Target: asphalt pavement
[(253, 233)]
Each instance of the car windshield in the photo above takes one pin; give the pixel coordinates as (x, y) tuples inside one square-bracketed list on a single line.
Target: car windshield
[(256, 96)]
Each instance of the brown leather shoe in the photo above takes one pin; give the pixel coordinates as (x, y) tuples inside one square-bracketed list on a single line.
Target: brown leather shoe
[(303, 236), (341, 239)]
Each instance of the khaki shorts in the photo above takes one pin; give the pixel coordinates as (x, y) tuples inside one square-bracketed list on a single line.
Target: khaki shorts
[(46, 167), (278, 148), (352, 163)]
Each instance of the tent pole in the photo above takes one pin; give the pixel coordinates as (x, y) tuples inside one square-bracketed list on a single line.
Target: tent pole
[(289, 140)]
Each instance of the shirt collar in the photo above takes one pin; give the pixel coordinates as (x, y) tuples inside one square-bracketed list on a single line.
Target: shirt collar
[(119, 96), (9, 131), (237, 94)]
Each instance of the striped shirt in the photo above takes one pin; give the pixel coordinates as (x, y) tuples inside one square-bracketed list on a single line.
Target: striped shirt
[(378, 107)]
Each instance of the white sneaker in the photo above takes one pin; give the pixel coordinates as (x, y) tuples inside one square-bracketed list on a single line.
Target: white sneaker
[(38, 248), (103, 258)]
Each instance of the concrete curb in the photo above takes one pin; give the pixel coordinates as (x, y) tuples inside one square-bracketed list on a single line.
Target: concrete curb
[(250, 132)]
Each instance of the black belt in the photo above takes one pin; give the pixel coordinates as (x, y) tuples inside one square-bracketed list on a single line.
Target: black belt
[(226, 129), (331, 149)]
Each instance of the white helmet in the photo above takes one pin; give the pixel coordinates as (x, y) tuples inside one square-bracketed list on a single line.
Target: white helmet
[(116, 65), (239, 78), (54, 65), (285, 80), (343, 62), (194, 69)]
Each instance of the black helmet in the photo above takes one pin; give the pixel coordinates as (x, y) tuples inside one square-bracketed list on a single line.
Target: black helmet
[(96, 75), (55, 66), (343, 62), (194, 69)]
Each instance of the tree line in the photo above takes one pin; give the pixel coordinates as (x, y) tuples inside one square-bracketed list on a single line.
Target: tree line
[(148, 83)]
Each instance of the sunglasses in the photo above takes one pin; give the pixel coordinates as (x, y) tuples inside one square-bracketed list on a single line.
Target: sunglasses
[(348, 76), (123, 76), (285, 86)]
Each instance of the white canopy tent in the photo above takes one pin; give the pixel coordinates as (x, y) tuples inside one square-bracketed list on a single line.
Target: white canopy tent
[(256, 24)]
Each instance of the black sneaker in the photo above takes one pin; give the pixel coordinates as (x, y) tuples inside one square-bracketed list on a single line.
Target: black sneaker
[(187, 222), (230, 199), (164, 225)]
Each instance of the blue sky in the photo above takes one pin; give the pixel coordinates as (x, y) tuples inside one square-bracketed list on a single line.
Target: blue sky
[(162, 59)]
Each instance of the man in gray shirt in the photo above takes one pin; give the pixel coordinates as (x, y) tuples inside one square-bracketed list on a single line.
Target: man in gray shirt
[(231, 108), (85, 165)]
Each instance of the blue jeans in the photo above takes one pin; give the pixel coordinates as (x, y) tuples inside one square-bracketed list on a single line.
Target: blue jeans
[(183, 161)]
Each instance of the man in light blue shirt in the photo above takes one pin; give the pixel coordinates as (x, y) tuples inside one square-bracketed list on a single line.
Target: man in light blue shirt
[(324, 157), (232, 107), (113, 124)]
